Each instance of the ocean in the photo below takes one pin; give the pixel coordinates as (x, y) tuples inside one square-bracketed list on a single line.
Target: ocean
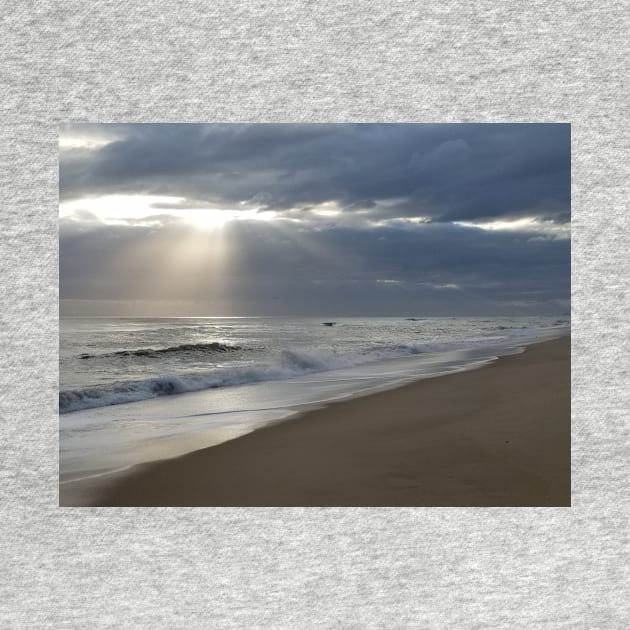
[(137, 389)]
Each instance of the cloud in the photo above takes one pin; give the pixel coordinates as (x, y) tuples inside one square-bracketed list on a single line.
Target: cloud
[(443, 172)]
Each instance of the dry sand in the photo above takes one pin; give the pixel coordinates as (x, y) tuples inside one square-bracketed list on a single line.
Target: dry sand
[(496, 436)]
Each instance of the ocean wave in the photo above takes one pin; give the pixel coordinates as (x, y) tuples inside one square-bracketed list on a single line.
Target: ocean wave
[(137, 390), (288, 363), (203, 348)]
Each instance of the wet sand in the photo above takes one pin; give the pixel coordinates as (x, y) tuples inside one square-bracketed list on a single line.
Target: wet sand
[(496, 436)]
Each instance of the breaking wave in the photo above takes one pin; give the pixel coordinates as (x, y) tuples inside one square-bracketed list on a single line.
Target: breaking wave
[(290, 364), (286, 364)]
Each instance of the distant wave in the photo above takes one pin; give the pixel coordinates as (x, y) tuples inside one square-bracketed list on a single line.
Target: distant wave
[(204, 348)]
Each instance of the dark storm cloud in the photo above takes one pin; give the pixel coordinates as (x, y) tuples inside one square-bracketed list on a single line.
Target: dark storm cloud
[(445, 172)]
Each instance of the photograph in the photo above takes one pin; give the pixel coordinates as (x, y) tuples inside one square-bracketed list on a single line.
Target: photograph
[(315, 314)]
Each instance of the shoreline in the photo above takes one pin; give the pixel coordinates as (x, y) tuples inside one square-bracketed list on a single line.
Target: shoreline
[(431, 442)]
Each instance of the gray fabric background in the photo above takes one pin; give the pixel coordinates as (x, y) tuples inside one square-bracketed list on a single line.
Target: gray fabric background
[(313, 568)]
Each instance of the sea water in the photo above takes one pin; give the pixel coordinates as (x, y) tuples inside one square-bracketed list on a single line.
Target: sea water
[(137, 389)]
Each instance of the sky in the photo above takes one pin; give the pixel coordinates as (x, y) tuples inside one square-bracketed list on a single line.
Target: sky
[(314, 219)]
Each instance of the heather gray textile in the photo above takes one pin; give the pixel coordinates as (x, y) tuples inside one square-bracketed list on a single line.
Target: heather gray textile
[(307, 568)]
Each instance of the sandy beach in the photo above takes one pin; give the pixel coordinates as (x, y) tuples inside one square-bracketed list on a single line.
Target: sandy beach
[(496, 436)]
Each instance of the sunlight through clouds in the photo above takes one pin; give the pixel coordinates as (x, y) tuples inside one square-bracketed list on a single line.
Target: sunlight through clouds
[(123, 209), (273, 218)]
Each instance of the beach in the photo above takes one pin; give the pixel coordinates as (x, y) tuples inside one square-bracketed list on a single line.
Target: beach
[(495, 436)]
